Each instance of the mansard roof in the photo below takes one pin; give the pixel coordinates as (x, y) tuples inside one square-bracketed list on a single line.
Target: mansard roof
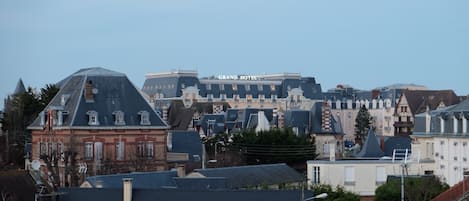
[(111, 92)]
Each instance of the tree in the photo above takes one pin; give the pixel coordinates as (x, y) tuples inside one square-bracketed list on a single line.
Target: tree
[(418, 188), (362, 125), (274, 146), (338, 194), (47, 93)]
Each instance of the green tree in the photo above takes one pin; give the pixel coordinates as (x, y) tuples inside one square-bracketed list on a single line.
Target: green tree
[(418, 188), (20, 111), (274, 146), (47, 93), (362, 125), (338, 194)]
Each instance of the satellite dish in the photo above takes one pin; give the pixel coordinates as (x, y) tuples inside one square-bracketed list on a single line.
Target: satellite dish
[(36, 164)]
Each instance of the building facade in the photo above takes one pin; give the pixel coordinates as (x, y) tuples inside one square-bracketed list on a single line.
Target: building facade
[(100, 122), (443, 136)]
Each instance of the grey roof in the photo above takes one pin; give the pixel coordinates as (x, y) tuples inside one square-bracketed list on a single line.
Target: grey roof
[(19, 89), (396, 142), (94, 194), (255, 175), (204, 183), (141, 180), (171, 86), (447, 114), (371, 148), (112, 91), (186, 142)]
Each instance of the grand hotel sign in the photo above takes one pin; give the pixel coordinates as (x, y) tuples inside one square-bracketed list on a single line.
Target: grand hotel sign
[(238, 77)]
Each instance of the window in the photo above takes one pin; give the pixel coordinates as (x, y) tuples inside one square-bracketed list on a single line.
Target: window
[(43, 148), (88, 150), (274, 97), (316, 175), (326, 148), (150, 150), (92, 118), (119, 118), (249, 97), (349, 175), (235, 87), (145, 149), (380, 175), (98, 150), (144, 118), (120, 146)]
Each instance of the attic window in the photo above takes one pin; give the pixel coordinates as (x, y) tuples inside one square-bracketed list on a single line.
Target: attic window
[(92, 118), (144, 118), (119, 118)]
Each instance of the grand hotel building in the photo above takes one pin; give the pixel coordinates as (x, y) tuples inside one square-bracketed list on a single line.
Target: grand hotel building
[(278, 91)]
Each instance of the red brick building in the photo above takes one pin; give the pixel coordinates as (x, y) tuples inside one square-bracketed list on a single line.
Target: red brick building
[(98, 123)]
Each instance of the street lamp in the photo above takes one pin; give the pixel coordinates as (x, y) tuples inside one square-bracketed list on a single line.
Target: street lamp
[(320, 196)]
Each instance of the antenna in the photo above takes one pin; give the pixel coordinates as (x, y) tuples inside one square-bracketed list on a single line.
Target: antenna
[(36, 164)]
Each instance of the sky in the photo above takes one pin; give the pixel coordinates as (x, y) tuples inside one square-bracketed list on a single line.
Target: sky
[(362, 43)]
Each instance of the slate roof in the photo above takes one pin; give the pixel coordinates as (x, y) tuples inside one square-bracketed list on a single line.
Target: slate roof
[(180, 117), (447, 114), (186, 142), (141, 180), (172, 84), (396, 142), (94, 194), (371, 148), (418, 100), (19, 89), (255, 175), (112, 91)]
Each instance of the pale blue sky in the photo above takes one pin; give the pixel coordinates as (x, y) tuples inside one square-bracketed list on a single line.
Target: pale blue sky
[(365, 43)]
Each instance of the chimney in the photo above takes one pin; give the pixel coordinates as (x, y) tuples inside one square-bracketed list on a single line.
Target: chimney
[(127, 189), (464, 124), (181, 171), (455, 124), (326, 118), (89, 91), (374, 93), (428, 119), (442, 125), (332, 151)]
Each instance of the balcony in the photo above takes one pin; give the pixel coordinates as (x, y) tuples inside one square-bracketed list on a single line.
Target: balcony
[(401, 124)]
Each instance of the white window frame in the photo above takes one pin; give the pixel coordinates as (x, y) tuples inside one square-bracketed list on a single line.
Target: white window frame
[(150, 149), (119, 118), (120, 150), (98, 150), (349, 175), (144, 118), (316, 175), (93, 118), (380, 175), (88, 150)]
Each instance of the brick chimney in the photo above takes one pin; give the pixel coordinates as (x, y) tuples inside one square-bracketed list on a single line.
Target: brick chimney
[(89, 97), (326, 117)]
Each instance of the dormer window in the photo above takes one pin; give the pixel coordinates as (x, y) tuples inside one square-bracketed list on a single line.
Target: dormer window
[(92, 118), (119, 118), (144, 118)]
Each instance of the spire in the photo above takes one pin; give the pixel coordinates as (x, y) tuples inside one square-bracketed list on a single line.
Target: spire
[(371, 148), (19, 88)]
